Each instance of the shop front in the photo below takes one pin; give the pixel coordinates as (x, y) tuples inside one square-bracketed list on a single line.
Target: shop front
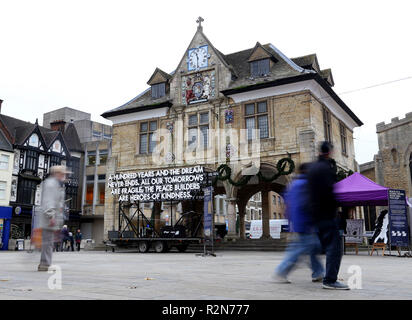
[(5, 222)]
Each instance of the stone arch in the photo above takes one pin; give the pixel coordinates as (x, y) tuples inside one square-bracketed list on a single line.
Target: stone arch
[(394, 156), (239, 195), (406, 154), (406, 159)]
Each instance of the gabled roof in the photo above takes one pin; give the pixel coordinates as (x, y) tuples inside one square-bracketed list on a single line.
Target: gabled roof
[(5, 144), (309, 61), (72, 138), (266, 53), (283, 71), (22, 133), (21, 130), (327, 75), (283, 68), (62, 140), (48, 135), (165, 76)]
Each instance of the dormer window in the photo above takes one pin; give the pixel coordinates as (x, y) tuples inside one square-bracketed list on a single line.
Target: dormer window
[(158, 90), (259, 68)]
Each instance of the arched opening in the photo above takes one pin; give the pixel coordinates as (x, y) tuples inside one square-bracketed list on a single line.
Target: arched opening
[(254, 211), (266, 190), (410, 167), (394, 156)]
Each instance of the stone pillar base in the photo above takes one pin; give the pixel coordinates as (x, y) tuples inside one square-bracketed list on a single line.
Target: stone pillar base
[(265, 237), (231, 238)]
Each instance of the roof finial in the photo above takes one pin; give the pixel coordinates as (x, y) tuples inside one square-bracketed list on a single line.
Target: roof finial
[(199, 21)]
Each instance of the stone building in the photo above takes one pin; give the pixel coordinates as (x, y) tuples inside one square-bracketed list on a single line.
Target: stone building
[(210, 106), (95, 139), (254, 207), (393, 163)]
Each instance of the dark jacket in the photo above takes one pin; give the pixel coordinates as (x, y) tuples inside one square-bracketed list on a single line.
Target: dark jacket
[(342, 222), (297, 211), (321, 178), (78, 237), (65, 234)]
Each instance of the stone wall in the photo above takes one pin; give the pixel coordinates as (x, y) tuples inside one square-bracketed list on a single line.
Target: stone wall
[(345, 161), (295, 129), (368, 170), (395, 149)]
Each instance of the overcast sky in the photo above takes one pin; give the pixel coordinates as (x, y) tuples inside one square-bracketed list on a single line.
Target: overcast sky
[(97, 55)]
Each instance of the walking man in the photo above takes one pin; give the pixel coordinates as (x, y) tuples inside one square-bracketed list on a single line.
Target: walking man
[(323, 205), (52, 203), (65, 238), (306, 241), (78, 237)]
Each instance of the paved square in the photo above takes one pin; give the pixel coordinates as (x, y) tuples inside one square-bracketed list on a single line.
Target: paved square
[(230, 275)]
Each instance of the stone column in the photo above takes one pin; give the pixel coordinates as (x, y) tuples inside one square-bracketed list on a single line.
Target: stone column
[(265, 216), (242, 226), (95, 185), (84, 185), (178, 137), (111, 205), (231, 215)]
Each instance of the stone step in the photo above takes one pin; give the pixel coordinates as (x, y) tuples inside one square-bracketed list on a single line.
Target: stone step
[(247, 245)]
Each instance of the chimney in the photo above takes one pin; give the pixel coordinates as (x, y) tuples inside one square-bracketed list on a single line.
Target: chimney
[(1, 101), (58, 125)]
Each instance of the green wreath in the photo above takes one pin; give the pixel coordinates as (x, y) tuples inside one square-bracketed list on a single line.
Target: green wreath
[(225, 173)]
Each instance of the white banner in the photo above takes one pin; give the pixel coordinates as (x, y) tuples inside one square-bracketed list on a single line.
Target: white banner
[(275, 226)]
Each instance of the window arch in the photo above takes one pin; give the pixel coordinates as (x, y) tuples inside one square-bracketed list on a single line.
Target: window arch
[(394, 156), (410, 165)]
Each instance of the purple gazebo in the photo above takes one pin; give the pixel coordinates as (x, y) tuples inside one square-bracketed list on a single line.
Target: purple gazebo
[(357, 190)]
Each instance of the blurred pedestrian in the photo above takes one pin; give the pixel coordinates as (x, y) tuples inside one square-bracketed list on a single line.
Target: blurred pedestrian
[(342, 227), (57, 241), (306, 241), (52, 205), (78, 237), (323, 205), (71, 240), (65, 238)]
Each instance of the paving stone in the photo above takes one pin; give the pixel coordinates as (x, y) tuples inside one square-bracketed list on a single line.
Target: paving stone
[(181, 276)]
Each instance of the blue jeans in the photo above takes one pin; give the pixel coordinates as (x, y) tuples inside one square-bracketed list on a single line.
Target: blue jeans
[(304, 244), (332, 244)]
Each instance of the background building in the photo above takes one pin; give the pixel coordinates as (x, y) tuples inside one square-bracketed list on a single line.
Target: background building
[(254, 206), (35, 150), (6, 169), (393, 163), (95, 140)]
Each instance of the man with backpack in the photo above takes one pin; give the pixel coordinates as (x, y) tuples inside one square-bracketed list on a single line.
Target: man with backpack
[(306, 241)]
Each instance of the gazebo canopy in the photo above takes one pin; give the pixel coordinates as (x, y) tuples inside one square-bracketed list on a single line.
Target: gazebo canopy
[(357, 190)]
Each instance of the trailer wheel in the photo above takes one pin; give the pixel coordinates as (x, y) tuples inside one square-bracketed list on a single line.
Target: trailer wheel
[(144, 246), (182, 247), (160, 246)]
